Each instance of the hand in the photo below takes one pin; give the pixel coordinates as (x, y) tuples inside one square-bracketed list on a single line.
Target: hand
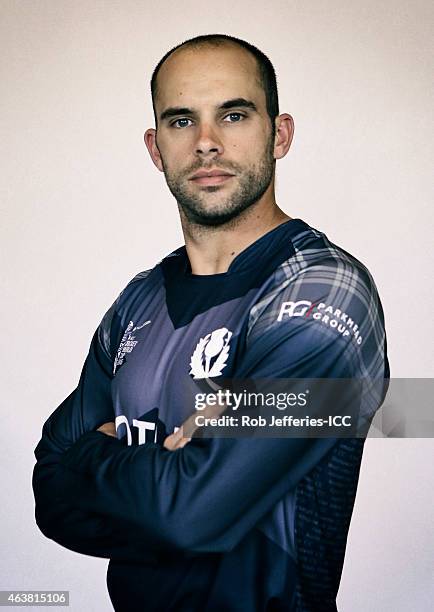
[(108, 428), (176, 440)]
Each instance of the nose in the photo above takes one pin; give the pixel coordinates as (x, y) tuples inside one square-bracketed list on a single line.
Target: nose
[(208, 143)]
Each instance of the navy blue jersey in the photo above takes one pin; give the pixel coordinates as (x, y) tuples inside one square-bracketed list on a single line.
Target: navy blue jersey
[(223, 524)]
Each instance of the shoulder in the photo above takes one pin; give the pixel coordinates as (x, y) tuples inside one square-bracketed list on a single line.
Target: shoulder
[(145, 281), (318, 275), (117, 317), (110, 329), (321, 293)]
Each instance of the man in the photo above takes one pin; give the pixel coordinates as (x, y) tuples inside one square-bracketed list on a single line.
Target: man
[(215, 524)]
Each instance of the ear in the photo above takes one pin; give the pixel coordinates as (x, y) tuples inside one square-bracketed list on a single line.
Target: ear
[(284, 133), (150, 138)]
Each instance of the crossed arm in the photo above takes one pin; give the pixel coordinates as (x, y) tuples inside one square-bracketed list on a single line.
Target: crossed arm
[(172, 442), (99, 497)]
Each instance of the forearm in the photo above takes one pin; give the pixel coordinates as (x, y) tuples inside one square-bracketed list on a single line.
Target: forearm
[(202, 498), (83, 532)]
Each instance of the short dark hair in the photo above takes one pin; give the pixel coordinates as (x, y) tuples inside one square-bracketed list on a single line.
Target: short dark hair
[(267, 74)]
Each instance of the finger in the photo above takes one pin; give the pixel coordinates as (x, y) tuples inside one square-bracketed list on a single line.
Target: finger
[(172, 441), (183, 442)]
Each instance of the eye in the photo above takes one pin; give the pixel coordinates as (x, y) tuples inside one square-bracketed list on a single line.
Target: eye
[(235, 117), (180, 123)]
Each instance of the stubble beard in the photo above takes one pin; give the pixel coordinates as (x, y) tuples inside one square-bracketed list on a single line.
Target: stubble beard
[(252, 184)]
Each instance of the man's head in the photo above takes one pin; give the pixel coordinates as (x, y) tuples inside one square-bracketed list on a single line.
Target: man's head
[(266, 74), (216, 111)]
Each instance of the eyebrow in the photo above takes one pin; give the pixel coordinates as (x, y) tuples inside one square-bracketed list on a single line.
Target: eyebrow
[(235, 102)]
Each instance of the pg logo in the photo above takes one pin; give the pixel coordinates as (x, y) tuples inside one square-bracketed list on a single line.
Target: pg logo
[(293, 309)]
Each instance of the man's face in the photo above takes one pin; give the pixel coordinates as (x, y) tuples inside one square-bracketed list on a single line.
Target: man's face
[(212, 118)]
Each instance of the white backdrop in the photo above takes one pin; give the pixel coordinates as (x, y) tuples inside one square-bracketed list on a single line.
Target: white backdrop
[(84, 209)]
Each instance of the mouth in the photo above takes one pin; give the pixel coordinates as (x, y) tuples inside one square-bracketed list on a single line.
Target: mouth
[(213, 177)]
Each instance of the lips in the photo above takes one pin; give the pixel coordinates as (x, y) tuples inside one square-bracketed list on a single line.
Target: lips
[(211, 177), (206, 173)]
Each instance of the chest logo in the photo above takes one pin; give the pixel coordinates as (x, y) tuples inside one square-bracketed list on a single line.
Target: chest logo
[(127, 344), (211, 354)]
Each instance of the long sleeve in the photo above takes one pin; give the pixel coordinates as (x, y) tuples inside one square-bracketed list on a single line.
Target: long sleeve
[(85, 409), (208, 495)]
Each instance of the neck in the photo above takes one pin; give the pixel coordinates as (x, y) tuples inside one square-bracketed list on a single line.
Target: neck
[(211, 249)]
